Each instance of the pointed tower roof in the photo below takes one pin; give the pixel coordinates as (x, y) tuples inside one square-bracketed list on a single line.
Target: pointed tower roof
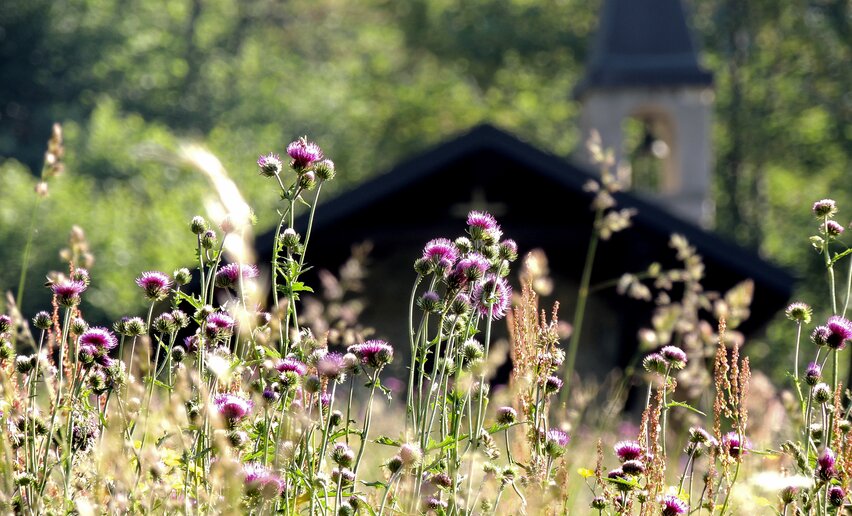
[(643, 43)]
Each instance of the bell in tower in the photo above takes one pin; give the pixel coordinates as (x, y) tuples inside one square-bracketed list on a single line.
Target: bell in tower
[(647, 96)]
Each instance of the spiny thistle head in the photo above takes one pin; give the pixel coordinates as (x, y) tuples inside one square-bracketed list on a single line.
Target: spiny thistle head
[(836, 495), (440, 251), (230, 275), (269, 164), (430, 302), (492, 297), (820, 335), (699, 435), (291, 365), (825, 469), (821, 393), (789, 494), (832, 228), (198, 225), (325, 170), (655, 363), (813, 374), (303, 153), (633, 467), (182, 276), (598, 503), (674, 356), (99, 339), (441, 480), (482, 226), (733, 445), (552, 384), (628, 450), (155, 284), (671, 505), (219, 324), (411, 454), (42, 320), (164, 323), (342, 455), (555, 442), (840, 329), (825, 208), (506, 415), (799, 312), (331, 366), (232, 407), (68, 292), (374, 353)]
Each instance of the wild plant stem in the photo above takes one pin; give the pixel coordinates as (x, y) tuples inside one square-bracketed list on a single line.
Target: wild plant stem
[(25, 259), (828, 265), (366, 429), (580, 310)]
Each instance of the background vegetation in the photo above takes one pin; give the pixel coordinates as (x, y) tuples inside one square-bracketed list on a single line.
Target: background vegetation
[(374, 81)]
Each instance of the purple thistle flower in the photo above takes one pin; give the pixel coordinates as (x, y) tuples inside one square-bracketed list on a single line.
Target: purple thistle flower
[(229, 275), (471, 268), (68, 292), (440, 251), (270, 164), (219, 324), (633, 467), (190, 343), (492, 297), (655, 363), (813, 374), (557, 437), (833, 228), (291, 365), (99, 340), (628, 450), (5, 323), (430, 302), (303, 153), (672, 505), (331, 366), (155, 284), (506, 415), (732, 445), (825, 465), (841, 331), (836, 494), (260, 481), (483, 226), (675, 356), (699, 435), (508, 250), (552, 384), (820, 335), (232, 407), (825, 208), (799, 312), (374, 353), (434, 503), (616, 474)]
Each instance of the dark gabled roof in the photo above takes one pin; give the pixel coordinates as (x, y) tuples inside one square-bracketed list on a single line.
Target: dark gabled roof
[(643, 43), (652, 225)]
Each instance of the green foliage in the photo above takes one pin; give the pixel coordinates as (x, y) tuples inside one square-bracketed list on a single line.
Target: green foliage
[(373, 82)]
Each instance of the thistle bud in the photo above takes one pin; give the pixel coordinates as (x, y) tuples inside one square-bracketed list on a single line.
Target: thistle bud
[(42, 321), (198, 225), (325, 170), (182, 276)]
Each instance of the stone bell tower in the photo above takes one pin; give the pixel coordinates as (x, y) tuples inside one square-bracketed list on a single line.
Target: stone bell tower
[(644, 71)]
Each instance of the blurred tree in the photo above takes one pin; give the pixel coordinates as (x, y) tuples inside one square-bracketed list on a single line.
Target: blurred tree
[(374, 81)]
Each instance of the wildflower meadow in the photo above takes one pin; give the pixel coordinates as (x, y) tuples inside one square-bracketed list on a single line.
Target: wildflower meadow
[(220, 399)]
